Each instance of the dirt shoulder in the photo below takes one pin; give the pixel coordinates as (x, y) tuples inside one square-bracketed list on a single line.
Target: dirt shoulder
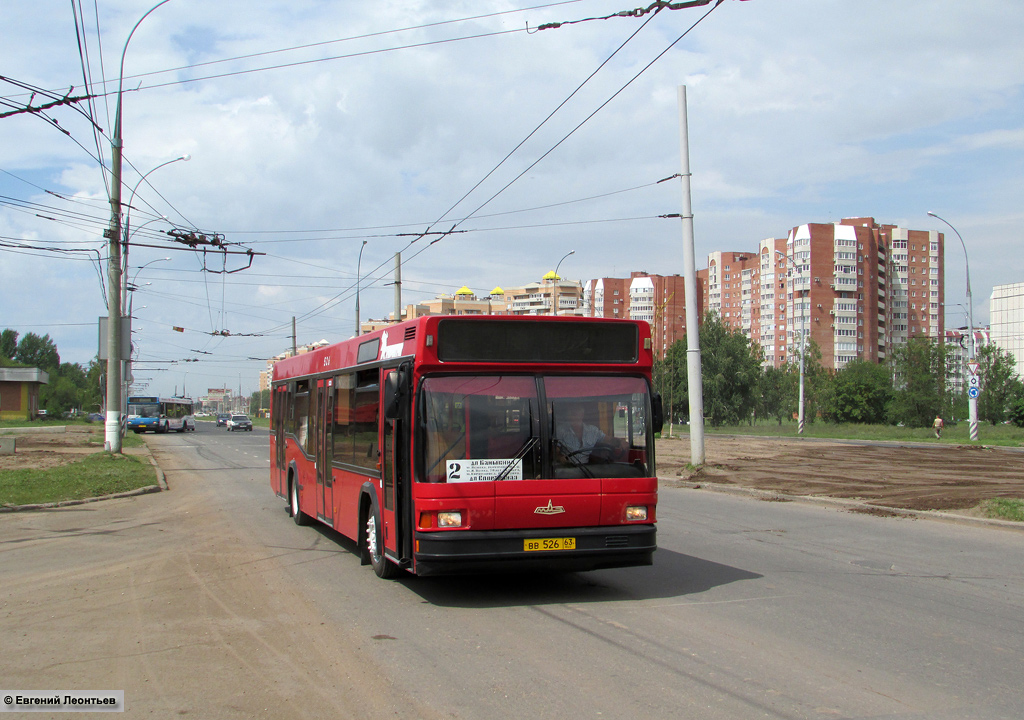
[(940, 477)]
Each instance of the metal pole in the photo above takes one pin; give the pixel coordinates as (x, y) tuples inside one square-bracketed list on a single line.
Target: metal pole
[(115, 402), (554, 294), (358, 265), (972, 402), (803, 352), (693, 371), (112, 426), (398, 287), (802, 348)]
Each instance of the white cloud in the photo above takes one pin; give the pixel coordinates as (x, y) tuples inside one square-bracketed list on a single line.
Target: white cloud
[(803, 111)]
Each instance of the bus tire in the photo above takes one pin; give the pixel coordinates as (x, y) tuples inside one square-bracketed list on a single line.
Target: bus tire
[(294, 510), (382, 567)]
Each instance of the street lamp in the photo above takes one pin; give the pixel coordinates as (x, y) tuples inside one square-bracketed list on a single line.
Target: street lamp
[(131, 199), (972, 396), (554, 294), (803, 341), (136, 277), (359, 263), (112, 427)]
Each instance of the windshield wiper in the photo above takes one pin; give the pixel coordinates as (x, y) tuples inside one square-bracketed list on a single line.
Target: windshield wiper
[(520, 454)]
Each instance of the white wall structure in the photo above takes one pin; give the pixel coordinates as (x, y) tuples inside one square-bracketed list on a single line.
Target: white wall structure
[(1006, 321)]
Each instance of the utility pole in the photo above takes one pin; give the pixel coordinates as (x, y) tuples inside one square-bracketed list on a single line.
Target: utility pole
[(693, 370), (398, 287), (112, 428)]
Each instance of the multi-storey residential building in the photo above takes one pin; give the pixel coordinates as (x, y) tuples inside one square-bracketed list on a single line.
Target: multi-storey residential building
[(769, 301), (731, 278), (551, 296), (855, 288), (658, 299), (606, 297), (1006, 318), (915, 287)]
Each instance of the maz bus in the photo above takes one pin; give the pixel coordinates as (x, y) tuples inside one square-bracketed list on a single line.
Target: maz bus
[(160, 414), (443, 444)]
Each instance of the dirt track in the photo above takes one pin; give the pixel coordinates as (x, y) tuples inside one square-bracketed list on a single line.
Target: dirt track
[(943, 477)]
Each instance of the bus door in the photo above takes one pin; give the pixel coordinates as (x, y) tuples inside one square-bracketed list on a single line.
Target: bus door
[(396, 500), (279, 408), (324, 450)]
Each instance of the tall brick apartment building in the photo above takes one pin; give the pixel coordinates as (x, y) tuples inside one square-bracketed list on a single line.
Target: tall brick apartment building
[(658, 299), (856, 288)]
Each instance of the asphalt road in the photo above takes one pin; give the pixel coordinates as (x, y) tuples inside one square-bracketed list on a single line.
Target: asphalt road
[(208, 601)]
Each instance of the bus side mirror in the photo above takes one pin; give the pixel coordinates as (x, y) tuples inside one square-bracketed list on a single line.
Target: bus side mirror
[(657, 413), (395, 384)]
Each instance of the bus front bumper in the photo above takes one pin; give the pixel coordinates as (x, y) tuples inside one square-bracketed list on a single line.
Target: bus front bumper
[(593, 548)]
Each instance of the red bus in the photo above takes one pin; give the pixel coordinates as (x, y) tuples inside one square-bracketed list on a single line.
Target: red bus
[(452, 444)]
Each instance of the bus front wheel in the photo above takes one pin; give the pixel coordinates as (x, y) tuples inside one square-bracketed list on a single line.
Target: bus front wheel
[(383, 567)]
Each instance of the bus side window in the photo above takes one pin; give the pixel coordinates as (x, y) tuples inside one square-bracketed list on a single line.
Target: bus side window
[(300, 411), (366, 420)]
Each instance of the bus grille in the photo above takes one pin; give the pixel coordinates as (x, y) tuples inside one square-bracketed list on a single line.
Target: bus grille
[(616, 541)]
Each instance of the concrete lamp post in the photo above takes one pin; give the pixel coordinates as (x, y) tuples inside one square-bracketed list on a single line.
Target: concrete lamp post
[(972, 397)]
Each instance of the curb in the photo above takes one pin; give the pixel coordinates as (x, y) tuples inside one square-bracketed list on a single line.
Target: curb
[(161, 486), (849, 505)]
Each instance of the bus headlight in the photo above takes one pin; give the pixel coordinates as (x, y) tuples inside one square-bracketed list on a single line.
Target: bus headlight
[(449, 518), (636, 513)]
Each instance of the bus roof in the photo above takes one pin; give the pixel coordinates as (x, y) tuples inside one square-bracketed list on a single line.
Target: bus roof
[(440, 341)]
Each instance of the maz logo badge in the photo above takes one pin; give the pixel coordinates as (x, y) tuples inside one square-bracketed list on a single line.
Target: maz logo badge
[(549, 509)]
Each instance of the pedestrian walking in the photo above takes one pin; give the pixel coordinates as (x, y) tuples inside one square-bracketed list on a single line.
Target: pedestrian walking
[(937, 425)]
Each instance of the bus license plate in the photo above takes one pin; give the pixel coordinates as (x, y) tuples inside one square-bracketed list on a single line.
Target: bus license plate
[(549, 544)]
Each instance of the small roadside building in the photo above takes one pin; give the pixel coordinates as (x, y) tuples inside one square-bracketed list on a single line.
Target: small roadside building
[(19, 392)]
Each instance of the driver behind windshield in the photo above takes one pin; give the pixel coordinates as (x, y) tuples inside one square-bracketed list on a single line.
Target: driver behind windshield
[(577, 439)]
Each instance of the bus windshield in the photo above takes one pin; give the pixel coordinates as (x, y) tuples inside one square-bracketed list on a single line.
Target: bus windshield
[(145, 410), (524, 427)]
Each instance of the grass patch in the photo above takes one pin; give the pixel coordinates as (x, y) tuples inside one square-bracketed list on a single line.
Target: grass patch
[(95, 475), (1004, 509)]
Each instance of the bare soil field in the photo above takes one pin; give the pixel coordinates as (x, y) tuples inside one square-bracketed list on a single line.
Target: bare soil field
[(914, 477), (52, 449)]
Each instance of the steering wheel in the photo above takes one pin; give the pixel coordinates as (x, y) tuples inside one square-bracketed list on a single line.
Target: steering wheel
[(604, 452)]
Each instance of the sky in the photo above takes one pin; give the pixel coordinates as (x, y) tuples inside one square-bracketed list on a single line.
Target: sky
[(318, 130)]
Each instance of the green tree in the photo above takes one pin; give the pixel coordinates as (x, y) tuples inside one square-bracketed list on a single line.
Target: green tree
[(777, 396), (670, 380), (67, 389), (259, 400), (817, 379), (8, 343), (920, 368), (1016, 412), (1000, 385), (860, 393), (730, 372), (38, 352)]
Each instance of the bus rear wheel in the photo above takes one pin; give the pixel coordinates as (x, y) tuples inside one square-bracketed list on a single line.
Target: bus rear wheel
[(383, 567), (294, 510)]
